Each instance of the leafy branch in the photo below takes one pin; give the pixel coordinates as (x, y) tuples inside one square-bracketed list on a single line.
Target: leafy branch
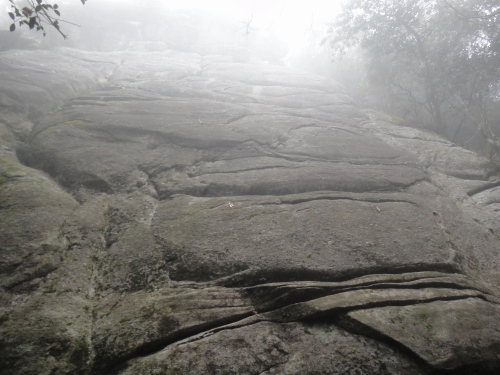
[(37, 14)]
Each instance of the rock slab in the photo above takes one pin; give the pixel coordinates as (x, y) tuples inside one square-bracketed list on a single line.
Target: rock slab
[(171, 212)]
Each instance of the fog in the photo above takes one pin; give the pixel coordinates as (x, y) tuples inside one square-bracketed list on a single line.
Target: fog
[(179, 194), (290, 32), (273, 30)]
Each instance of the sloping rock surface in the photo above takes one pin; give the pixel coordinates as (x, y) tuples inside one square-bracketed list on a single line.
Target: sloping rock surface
[(175, 213)]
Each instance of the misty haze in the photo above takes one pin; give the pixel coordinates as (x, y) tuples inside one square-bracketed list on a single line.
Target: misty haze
[(249, 187)]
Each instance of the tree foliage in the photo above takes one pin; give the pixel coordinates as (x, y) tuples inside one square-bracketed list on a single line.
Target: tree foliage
[(438, 60), (36, 14)]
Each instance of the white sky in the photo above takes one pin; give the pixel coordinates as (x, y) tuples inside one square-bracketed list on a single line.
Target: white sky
[(288, 19)]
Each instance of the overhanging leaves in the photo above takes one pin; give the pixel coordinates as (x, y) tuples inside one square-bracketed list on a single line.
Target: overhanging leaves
[(37, 13)]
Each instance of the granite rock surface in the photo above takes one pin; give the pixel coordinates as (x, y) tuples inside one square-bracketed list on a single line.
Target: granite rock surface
[(165, 212)]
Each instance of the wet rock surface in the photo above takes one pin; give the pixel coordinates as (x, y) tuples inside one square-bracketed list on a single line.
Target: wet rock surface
[(176, 213)]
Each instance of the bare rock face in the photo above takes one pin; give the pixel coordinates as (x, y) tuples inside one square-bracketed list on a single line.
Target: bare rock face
[(174, 213)]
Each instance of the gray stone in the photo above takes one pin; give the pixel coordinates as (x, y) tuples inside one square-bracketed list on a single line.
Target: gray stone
[(265, 348), (447, 335), (179, 212)]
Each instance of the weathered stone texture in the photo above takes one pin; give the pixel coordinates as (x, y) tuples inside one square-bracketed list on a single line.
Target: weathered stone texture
[(165, 212)]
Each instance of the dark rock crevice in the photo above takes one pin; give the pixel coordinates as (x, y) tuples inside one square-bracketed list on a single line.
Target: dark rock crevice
[(268, 297), (351, 325), (114, 365), (255, 277), (337, 316), (355, 326), (292, 201), (483, 188)]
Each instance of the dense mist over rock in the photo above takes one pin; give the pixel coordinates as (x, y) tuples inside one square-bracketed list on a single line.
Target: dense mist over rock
[(174, 205), (113, 25)]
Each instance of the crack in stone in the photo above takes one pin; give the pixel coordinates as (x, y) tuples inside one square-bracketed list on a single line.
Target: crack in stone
[(268, 368), (311, 314), (236, 118), (258, 318), (445, 143), (254, 277), (245, 170), (426, 286), (314, 125), (178, 337), (483, 188), (299, 293), (356, 327), (365, 200)]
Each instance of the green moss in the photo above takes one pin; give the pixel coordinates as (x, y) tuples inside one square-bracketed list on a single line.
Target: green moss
[(5, 136), (397, 120), (9, 168)]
